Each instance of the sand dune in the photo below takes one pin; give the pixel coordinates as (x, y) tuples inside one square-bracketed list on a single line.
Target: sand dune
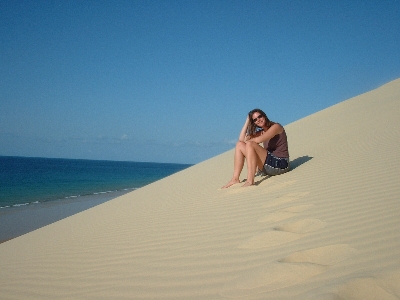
[(328, 229)]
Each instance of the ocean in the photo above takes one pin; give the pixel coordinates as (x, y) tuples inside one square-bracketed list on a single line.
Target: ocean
[(27, 181), (35, 192)]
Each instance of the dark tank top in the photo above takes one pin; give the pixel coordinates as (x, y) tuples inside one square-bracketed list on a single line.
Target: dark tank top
[(278, 145)]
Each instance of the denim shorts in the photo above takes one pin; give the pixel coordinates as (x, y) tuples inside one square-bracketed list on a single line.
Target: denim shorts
[(275, 165)]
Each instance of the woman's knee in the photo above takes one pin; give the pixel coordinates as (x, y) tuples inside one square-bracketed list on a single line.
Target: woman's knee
[(240, 145), (251, 145)]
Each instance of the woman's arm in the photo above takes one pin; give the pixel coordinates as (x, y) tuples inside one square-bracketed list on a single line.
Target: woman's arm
[(242, 135), (269, 134)]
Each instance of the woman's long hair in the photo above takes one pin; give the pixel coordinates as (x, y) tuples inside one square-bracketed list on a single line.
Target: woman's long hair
[(253, 128)]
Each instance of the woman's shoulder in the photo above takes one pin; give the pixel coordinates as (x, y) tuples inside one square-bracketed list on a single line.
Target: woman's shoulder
[(277, 127)]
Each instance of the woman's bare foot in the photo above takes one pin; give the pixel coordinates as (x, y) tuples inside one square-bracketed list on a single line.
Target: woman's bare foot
[(247, 184), (232, 182)]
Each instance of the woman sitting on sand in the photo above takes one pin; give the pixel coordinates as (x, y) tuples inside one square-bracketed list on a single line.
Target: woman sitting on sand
[(273, 159)]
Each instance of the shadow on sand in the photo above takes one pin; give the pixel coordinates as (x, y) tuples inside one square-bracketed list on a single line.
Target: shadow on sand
[(293, 165), (299, 161)]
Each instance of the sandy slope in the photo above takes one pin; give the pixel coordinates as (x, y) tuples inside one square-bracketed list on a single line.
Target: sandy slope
[(329, 229)]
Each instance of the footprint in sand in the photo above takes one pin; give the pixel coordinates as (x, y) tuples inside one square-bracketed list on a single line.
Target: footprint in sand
[(278, 186), (282, 234), (302, 226), (269, 239), (298, 208), (287, 198), (260, 189), (326, 256), (386, 286), (287, 212), (292, 270), (270, 277), (276, 216), (284, 213)]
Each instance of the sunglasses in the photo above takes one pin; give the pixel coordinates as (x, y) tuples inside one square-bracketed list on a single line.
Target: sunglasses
[(258, 117)]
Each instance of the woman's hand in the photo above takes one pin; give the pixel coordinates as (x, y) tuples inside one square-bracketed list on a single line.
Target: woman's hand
[(257, 134), (242, 135)]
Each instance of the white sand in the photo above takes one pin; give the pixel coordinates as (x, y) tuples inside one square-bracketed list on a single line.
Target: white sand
[(329, 229)]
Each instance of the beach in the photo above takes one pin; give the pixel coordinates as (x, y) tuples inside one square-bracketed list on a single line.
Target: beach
[(328, 229), (21, 220), (36, 191)]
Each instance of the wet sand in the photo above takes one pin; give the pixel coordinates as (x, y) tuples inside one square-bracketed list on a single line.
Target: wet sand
[(16, 221)]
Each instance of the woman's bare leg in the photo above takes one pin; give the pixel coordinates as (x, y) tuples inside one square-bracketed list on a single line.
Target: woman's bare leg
[(255, 155), (238, 163)]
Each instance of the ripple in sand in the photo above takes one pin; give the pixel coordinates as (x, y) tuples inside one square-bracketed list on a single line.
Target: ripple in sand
[(302, 226), (287, 198), (383, 286), (326, 256), (276, 216), (278, 186), (269, 239), (270, 277), (298, 208)]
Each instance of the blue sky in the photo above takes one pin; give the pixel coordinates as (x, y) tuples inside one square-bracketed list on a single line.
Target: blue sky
[(172, 81)]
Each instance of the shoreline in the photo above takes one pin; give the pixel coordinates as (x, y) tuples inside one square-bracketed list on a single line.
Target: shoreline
[(67, 198), (19, 220)]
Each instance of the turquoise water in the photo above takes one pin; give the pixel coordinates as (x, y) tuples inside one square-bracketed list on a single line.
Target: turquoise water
[(28, 181)]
